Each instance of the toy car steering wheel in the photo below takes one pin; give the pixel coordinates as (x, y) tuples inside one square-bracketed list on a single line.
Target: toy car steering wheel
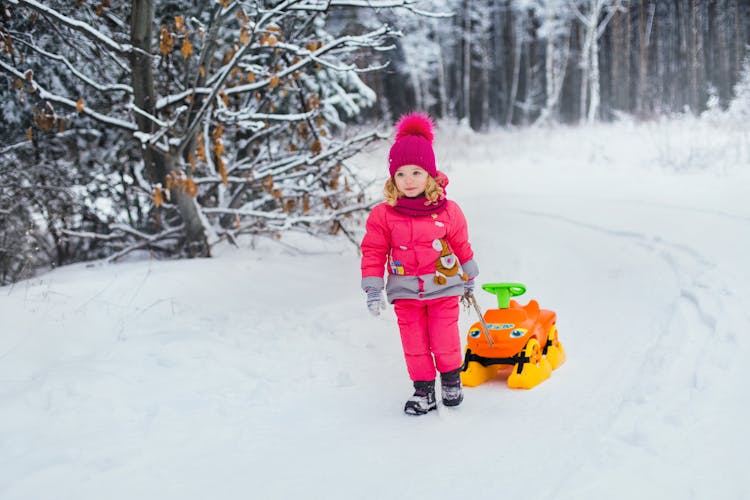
[(504, 291)]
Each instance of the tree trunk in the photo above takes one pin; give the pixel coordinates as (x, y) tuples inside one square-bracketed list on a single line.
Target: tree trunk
[(416, 84), (157, 165), (550, 87), (517, 46), (628, 77), (617, 38), (725, 78), (499, 70), (486, 69), (585, 68), (655, 73), (555, 66), (594, 77), (684, 58), (467, 62), (441, 79), (710, 62), (738, 40), (642, 58), (645, 18), (143, 81), (693, 61)]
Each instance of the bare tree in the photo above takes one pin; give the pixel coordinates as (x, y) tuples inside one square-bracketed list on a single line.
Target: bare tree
[(597, 15), (220, 115), (555, 29)]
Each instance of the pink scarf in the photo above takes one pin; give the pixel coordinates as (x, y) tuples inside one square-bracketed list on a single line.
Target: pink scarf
[(419, 205)]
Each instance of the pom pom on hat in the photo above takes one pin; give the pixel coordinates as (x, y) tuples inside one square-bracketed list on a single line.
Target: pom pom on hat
[(413, 144), (415, 124)]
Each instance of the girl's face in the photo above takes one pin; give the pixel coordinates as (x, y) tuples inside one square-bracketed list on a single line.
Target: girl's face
[(411, 180)]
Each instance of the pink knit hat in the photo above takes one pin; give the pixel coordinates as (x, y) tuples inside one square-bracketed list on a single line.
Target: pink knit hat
[(413, 144)]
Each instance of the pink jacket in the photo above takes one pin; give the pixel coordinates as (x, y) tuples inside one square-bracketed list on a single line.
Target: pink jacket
[(411, 246)]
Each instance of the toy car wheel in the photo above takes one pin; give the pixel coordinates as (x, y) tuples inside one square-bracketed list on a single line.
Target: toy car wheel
[(533, 351), (532, 369), (551, 338), (554, 351)]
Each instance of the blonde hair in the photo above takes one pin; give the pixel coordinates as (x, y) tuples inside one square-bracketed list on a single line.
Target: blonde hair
[(433, 191)]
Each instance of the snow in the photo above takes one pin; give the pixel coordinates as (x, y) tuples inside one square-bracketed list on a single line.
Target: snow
[(260, 374), (76, 24)]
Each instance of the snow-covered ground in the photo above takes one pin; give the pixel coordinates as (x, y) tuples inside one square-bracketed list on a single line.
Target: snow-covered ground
[(259, 374)]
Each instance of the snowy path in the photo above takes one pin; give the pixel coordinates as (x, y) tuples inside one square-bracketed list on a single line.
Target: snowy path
[(246, 376), (652, 352)]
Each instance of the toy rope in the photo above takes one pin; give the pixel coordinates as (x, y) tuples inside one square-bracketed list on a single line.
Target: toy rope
[(473, 301)]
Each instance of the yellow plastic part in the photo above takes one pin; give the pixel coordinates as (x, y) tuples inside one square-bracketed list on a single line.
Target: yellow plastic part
[(535, 371), (476, 374), (555, 352)]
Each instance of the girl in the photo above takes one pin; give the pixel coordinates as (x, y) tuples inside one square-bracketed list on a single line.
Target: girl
[(423, 237)]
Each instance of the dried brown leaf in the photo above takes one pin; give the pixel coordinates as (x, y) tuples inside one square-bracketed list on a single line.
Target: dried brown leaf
[(244, 36), (158, 197), (166, 41), (187, 48), (190, 187), (191, 160), (200, 151)]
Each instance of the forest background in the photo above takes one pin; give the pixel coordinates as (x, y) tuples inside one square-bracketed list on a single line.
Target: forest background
[(172, 126)]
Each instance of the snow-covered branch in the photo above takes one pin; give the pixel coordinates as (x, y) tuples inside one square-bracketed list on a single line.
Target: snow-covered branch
[(160, 123), (148, 242), (91, 236), (75, 24), (49, 96), (165, 101), (368, 39), (102, 87), (576, 11), (246, 115), (290, 220), (65, 134), (613, 9), (325, 5), (281, 166)]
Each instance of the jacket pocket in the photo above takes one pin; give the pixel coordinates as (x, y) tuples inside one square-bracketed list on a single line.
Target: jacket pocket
[(402, 261)]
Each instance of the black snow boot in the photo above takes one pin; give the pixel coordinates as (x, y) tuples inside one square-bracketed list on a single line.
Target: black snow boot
[(423, 399), (450, 383)]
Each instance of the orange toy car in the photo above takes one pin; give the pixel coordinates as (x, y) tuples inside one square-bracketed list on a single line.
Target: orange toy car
[(524, 337)]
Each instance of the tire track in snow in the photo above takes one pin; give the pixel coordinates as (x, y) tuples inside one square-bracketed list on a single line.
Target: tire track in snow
[(693, 292), (689, 351)]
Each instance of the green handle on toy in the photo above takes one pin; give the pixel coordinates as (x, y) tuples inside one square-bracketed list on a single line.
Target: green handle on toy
[(504, 291)]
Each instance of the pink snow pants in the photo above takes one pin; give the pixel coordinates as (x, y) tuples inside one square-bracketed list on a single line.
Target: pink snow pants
[(429, 328)]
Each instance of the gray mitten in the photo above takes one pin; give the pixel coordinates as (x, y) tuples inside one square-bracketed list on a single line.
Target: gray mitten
[(469, 287), (375, 300)]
